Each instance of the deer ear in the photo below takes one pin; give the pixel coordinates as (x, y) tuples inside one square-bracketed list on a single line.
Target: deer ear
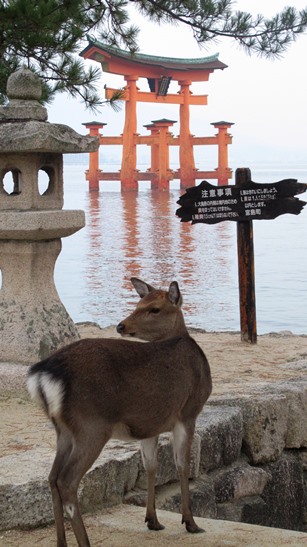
[(141, 287), (174, 294)]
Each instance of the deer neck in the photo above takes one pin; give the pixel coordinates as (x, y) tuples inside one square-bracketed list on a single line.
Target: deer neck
[(180, 328)]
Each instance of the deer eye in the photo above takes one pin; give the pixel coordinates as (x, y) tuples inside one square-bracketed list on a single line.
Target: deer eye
[(155, 310)]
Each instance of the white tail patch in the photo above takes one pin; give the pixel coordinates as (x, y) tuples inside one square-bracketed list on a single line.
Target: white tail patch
[(53, 391), (33, 388)]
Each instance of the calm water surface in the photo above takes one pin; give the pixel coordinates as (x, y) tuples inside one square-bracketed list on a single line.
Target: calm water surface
[(137, 234)]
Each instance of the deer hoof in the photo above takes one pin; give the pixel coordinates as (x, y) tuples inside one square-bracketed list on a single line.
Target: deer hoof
[(192, 528), (154, 524)]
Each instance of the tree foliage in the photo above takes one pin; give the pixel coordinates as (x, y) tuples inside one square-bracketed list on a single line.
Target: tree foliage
[(47, 35)]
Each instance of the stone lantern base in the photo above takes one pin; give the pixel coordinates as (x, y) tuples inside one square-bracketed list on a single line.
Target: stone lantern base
[(33, 320)]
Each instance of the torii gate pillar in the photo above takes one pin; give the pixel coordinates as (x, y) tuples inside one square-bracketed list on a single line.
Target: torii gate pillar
[(164, 171), (128, 172), (223, 139), (186, 155), (93, 173), (154, 155)]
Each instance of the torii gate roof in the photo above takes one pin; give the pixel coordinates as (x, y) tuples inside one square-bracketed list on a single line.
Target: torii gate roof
[(118, 61)]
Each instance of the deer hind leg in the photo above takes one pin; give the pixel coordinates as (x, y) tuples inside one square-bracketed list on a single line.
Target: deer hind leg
[(86, 449), (149, 449), (64, 448), (182, 440)]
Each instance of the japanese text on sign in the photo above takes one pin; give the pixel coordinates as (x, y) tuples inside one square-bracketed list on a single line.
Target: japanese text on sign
[(207, 203)]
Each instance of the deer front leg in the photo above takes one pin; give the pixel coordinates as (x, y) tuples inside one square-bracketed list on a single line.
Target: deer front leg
[(149, 448), (182, 439)]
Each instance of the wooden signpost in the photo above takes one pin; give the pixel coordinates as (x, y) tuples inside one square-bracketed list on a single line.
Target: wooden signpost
[(244, 202)]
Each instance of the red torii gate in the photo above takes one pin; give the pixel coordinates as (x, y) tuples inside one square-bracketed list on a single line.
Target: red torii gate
[(159, 71)]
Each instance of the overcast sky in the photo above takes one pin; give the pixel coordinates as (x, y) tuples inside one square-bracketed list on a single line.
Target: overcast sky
[(265, 99)]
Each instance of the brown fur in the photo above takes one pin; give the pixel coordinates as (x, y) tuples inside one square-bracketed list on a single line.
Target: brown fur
[(96, 389)]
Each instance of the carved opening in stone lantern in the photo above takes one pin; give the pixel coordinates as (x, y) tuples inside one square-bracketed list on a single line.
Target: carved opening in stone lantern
[(10, 180), (46, 180)]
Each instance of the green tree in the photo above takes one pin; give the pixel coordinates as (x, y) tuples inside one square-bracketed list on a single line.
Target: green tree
[(47, 35)]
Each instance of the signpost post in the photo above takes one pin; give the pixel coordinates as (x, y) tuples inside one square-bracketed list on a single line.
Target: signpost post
[(243, 202), (246, 270)]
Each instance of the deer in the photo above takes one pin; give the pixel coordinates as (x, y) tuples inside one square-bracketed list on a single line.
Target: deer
[(101, 388)]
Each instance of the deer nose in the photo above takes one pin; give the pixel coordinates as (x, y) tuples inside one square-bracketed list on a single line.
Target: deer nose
[(120, 328)]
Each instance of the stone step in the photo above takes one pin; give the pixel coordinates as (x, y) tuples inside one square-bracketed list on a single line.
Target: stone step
[(123, 526)]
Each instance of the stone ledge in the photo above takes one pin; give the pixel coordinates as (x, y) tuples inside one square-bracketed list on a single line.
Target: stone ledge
[(274, 418), (221, 472), (124, 526)]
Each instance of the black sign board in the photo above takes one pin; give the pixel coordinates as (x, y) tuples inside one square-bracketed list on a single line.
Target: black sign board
[(250, 201), (243, 202)]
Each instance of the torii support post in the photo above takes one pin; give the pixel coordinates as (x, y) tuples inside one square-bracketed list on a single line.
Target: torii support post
[(186, 155), (128, 176), (223, 140), (154, 154), (164, 172), (246, 270), (93, 172)]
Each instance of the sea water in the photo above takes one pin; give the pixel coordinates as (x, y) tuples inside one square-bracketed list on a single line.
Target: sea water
[(138, 234)]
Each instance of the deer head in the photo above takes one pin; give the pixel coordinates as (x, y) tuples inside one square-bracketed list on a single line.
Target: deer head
[(158, 314)]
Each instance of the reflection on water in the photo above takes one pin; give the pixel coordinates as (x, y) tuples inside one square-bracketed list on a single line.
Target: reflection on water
[(137, 234)]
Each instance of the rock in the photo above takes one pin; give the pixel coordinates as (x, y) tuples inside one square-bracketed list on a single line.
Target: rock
[(109, 480), (296, 395), (202, 498), (265, 423), (25, 505), (284, 494), (239, 481), (167, 471), (221, 431), (251, 510)]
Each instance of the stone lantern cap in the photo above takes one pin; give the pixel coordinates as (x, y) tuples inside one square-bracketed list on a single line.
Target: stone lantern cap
[(23, 122)]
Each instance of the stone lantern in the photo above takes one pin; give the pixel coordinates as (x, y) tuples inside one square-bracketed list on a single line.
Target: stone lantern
[(33, 320)]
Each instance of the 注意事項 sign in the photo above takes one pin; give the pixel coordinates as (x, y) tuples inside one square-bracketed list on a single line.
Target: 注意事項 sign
[(250, 201)]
